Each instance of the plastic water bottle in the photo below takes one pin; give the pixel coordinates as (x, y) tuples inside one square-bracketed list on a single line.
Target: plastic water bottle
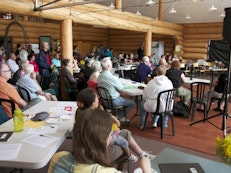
[(18, 120)]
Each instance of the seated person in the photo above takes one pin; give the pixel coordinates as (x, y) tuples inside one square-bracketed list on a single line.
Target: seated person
[(154, 87), (19, 73), (143, 70), (177, 76), (92, 82), (88, 98), (218, 91), (7, 91), (29, 82), (70, 81), (91, 138), (113, 86)]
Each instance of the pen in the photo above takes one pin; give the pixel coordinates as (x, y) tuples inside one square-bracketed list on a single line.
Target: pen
[(45, 136)]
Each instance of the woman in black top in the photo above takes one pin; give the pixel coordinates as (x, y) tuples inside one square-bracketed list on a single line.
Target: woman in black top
[(177, 77)]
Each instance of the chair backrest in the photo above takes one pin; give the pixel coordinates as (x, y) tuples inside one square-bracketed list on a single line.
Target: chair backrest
[(200, 88), (168, 96), (105, 98), (24, 93)]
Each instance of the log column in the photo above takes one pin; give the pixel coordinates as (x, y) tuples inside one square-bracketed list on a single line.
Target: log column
[(160, 10), (148, 43), (118, 4), (66, 48)]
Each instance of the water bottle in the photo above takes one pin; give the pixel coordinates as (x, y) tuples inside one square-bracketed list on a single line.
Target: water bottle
[(18, 120)]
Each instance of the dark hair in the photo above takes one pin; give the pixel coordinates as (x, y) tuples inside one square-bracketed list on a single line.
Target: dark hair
[(87, 97), (90, 134), (18, 45), (65, 61), (30, 56)]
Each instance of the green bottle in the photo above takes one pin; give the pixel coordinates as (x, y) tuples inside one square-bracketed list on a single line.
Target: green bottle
[(18, 120)]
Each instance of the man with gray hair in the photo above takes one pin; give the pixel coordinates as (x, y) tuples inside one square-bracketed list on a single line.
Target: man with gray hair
[(113, 86), (7, 91), (29, 82)]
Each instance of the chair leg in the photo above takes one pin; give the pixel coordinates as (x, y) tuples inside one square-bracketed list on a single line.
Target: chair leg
[(162, 126), (210, 105), (205, 111), (193, 111), (146, 117), (173, 129)]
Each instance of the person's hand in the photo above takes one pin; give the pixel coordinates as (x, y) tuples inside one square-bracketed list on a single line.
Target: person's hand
[(48, 96)]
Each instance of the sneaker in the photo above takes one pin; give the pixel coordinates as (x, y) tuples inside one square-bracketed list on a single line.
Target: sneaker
[(154, 125), (147, 154), (124, 120), (132, 158), (140, 126)]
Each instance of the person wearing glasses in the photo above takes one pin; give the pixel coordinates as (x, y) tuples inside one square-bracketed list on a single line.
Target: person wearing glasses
[(7, 91)]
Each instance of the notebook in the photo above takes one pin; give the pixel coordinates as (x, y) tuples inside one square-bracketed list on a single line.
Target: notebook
[(180, 168)]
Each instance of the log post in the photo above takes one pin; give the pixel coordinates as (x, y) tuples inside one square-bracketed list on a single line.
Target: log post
[(160, 10), (118, 4), (66, 48), (148, 43)]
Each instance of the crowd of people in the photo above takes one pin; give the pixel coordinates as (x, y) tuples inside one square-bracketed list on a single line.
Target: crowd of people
[(98, 141)]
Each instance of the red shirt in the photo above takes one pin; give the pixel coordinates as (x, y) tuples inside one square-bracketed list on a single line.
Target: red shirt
[(36, 68)]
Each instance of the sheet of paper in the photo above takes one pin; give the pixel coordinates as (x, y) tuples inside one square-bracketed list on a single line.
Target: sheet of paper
[(43, 129), (9, 151), (40, 140), (59, 111)]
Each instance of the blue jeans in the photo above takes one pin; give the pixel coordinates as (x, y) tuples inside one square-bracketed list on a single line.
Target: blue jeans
[(143, 113), (120, 101)]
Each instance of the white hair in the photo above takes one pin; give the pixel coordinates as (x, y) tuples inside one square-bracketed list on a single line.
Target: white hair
[(96, 66), (145, 59), (29, 68), (105, 62)]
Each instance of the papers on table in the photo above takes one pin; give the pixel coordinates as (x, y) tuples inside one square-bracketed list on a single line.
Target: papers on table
[(9, 151), (43, 130), (60, 111), (40, 140)]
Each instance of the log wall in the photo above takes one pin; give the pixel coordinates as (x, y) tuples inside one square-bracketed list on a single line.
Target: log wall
[(196, 38), (84, 36), (122, 41)]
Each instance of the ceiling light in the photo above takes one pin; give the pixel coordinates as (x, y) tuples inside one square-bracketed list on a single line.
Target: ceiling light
[(150, 2), (138, 13), (187, 17), (222, 15), (212, 8), (172, 11)]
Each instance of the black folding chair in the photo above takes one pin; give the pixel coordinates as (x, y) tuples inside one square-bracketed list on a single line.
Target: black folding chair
[(108, 105), (169, 96)]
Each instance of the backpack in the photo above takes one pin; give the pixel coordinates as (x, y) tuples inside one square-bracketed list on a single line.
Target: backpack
[(181, 110)]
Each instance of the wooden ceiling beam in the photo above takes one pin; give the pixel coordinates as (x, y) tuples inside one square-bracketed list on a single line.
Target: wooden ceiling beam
[(94, 14)]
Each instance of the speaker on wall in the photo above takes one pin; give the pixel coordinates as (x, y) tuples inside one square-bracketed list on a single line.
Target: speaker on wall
[(227, 25)]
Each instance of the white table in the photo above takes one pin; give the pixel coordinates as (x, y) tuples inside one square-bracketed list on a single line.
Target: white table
[(131, 89), (216, 69), (31, 156), (173, 156), (189, 81), (126, 68)]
